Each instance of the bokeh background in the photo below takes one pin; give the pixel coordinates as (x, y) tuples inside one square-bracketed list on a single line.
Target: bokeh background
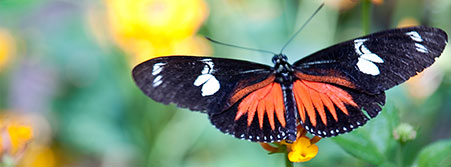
[(65, 79)]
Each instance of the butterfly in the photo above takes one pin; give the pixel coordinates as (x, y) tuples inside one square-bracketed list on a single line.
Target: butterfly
[(330, 92)]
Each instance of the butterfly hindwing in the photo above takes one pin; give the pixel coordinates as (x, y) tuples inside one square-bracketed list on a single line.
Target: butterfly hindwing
[(346, 121), (198, 83), (376, 62), (227, 123)]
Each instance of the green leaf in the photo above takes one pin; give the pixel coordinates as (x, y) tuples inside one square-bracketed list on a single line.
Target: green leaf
[(436, 154), (360, 146), (380, 129), (387, 164), (372, 142)]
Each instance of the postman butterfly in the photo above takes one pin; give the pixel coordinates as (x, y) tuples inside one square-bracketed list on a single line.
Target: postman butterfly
[(330, 92)]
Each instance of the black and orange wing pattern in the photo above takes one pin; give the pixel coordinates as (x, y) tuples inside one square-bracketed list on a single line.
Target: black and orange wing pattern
[(218, 86), (198, 83), (327, 92)]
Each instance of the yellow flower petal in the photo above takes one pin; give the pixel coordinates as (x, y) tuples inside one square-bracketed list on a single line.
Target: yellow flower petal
[(39, 156), (19, 136), (302, 150), (151, 28)]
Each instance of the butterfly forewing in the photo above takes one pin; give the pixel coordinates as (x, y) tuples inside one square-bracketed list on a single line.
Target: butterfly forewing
[(363, 69), (198, 83), (376, 62)]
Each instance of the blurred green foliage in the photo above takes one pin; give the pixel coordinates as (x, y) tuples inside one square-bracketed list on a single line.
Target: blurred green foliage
[(83, 86)]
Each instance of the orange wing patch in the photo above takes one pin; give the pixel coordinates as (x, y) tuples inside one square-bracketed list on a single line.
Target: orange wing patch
[(268, 99), (312, 95)]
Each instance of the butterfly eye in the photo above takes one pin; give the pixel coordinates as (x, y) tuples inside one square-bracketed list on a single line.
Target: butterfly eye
[(284, 57), (275, 60)]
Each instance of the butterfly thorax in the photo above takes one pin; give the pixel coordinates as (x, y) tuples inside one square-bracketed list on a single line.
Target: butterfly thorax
[(282, 69)]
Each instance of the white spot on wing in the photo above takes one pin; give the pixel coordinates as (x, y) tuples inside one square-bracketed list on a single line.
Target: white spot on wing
[(372, 57), (157, 67), (157, 81), (210, 85), (367, 59), (201, 79), (421, 48), (415, 36), (357, 44), (364, 50), (367, 67)]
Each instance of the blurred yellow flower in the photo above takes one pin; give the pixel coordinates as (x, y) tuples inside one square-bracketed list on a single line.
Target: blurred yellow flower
[(150, 28), (6, 47), (39, 156), (15, 137), (19, 136), (19, 146), (301, 150)]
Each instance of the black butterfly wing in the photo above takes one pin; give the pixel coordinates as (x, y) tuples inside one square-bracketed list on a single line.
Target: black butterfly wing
[(379, 61), (365, 67), (199, 83), (213, 85)]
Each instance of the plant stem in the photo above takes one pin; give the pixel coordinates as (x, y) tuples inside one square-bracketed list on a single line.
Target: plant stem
[(400, 154), (366, 16), (288, 163)]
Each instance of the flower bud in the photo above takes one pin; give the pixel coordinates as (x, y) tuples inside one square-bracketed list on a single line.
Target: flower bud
[(404, 133)]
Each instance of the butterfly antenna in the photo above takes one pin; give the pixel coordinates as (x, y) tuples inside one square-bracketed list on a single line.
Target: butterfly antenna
[(300, 29), (240, 47)]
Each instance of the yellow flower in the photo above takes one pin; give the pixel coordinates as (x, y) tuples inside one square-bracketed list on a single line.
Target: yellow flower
[(150, 28), (6, 47), (39, 156), (19, 136), (15, 137), (302, 150), (18, 144)]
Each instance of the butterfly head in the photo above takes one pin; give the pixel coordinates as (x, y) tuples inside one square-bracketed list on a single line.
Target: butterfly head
[(282, 68)]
